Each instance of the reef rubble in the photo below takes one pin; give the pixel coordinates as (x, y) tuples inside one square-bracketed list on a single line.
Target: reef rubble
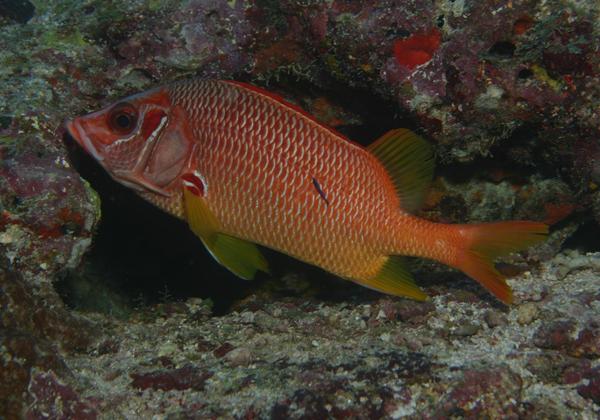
[(285, 356)]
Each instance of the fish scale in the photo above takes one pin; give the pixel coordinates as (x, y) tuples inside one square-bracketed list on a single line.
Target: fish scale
[(279, 151)]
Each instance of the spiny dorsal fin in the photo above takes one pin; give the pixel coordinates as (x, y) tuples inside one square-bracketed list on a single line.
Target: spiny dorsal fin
[(409, 160), (394, 279), (237, 255)]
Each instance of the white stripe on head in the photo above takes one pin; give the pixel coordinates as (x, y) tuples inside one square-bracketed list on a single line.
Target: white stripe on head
[(202, 180), (189, 184), (154, 134), (125, 140)]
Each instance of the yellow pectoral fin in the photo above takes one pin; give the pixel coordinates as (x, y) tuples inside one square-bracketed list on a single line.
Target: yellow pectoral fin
[(395, 280), (240, 257), (237, 255), (201, 220)]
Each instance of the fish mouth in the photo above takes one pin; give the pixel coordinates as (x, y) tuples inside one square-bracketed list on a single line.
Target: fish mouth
[(78, 133), (140, 184)]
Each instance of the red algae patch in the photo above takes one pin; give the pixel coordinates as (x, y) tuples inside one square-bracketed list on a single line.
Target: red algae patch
[(186, 377), (417, 49), (522, 25)]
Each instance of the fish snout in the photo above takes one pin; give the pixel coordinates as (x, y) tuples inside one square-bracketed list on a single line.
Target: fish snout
[(77, 131), (68, 125)]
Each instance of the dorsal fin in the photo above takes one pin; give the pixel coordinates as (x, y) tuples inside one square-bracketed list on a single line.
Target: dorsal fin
[(409, 160)]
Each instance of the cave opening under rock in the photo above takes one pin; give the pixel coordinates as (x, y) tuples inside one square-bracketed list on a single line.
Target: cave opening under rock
[(585, 238)]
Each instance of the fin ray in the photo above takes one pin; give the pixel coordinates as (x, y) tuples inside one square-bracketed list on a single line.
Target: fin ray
[(394, 279), (408, 158), (237, 255), (487, 241)]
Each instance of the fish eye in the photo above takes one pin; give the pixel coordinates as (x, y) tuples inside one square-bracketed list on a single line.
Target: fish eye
[(122, 118)]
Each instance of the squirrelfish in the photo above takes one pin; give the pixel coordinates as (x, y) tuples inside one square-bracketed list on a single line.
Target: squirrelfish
[(244, 167)]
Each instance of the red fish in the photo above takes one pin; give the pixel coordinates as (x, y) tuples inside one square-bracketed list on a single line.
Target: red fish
[(244, 167)]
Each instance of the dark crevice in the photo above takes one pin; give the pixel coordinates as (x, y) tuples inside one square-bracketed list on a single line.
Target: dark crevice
[(440, 21), (525, 74), (20, 11), (5, 121), (585, 238), (502, 49)]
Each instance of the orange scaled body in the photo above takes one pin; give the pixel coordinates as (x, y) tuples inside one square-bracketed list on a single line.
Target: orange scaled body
[(259, 159), (242, 166)]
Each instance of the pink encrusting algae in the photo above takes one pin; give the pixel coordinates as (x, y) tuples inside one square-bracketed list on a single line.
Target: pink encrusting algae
[(244, 167), (417, 49)]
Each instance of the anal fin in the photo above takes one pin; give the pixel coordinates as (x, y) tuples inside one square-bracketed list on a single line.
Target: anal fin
[(237, 255), (394, 279)]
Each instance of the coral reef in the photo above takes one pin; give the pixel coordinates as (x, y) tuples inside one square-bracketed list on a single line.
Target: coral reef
[(282, 355), (507, 92)]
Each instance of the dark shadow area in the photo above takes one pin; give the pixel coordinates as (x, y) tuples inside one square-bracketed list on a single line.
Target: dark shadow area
[(512, 159), (20, 11), (502, 49), (585, 238)]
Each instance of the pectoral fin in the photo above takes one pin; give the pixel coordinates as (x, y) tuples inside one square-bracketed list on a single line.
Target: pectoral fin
[(237, 255)]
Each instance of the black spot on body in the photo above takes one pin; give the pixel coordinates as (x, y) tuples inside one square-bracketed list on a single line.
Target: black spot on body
[(319, 190)]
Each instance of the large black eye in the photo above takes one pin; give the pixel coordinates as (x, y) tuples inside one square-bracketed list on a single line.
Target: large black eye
[(122, 118), (124, 121)]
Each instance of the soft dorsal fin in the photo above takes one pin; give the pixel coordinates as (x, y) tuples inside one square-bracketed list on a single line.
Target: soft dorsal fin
[(409, 160), (394, 279), (237, 255)]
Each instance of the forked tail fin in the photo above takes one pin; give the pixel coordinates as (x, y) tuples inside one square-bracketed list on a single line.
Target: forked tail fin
[(485, 242)]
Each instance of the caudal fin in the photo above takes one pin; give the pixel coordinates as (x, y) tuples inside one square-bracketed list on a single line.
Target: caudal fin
[(487, 241)]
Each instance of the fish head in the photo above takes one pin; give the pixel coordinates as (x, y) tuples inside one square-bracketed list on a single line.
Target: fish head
[(142, 141)]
